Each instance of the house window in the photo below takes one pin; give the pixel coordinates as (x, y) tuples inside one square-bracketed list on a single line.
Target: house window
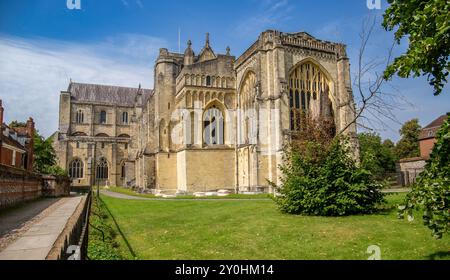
[(103, 117), (76, 169), (125, 117), (102, 169), (80, 117), (13, 163), (213, 127)]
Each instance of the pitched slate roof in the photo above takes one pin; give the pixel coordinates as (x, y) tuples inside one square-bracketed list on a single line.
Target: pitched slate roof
[(430, 130), (111, 95)]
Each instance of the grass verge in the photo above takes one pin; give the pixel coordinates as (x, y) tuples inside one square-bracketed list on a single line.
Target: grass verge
[(256, 230), (105, 242)]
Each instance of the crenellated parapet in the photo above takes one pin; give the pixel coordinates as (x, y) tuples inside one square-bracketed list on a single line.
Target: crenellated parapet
[(301, 42)]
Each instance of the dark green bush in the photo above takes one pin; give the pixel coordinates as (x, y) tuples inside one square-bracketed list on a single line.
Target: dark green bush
[(324, 180), (431, 193)]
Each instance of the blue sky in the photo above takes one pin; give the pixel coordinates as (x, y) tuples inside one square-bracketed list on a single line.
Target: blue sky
[(43, 44)]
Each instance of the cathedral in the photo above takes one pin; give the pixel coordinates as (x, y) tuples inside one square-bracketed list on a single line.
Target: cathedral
[(212, 121)]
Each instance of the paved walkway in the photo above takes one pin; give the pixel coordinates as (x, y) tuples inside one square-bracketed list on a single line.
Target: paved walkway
[(397, 190), (38, 240)]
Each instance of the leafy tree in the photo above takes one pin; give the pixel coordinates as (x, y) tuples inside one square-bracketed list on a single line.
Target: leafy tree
[(408, 146), (377, 157), (45, 157), (426, 24), (431, 193), (321, 177), (15, 124)]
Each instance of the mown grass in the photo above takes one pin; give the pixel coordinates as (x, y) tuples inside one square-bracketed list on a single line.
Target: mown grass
[(256, 230)]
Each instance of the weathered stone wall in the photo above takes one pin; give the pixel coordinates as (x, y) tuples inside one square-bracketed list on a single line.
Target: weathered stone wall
[(56, 186), (17, 186), (409, 169)]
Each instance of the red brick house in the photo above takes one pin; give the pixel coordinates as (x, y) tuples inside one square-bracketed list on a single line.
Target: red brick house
[(409, 168), (16, 144), (427, 137)]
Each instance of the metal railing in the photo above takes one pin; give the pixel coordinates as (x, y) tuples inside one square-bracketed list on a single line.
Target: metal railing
[(76, 245)]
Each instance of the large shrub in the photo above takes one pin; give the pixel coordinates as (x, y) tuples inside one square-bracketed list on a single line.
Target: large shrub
[(321, 176), (431, 193)]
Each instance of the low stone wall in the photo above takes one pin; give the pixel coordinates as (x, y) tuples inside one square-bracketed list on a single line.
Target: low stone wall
[(409, 169), (56, 186), (17, 185)]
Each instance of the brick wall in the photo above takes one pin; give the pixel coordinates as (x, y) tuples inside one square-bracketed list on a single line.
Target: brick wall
[(426, 147), (18, 186)]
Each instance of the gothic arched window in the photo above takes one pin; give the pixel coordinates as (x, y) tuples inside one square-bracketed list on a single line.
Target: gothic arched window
[(208, 80), (213, 127), (102, 169), (79, 117), (246, 113), (103, 117), (308, 85), (76, 169)]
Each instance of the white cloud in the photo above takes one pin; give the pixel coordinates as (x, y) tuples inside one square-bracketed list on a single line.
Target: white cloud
[(269, 13), (139, 3), (34, 71)]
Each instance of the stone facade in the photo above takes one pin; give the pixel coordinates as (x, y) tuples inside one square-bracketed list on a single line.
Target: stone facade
[(213, 121)]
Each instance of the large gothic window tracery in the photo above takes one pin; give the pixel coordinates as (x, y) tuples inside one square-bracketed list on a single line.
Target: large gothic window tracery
[(102, 169), (76, 169), (308, 93)]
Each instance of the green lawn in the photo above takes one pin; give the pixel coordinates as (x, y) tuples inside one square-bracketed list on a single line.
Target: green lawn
[(257, 230)]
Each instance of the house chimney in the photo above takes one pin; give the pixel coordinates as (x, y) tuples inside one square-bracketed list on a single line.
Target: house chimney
[(30, 145), (1, 113)]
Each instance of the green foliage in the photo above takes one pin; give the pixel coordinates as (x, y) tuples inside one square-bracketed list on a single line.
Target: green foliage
[(16, 124), (102, 236), (426, 25), (431, 193), (45, 157), (330, 184), (376, 156), (408, 146)]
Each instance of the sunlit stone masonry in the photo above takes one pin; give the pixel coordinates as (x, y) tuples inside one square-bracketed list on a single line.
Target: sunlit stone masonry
[(212, 121)]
